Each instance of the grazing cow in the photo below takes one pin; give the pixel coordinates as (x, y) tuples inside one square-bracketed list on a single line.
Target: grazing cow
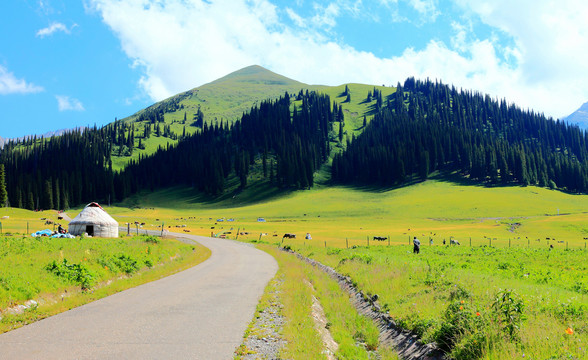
[(380, 238), (454, 242), (289, 236)]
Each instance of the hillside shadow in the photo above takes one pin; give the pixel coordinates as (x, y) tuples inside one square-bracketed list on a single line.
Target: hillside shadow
[(371, 110)]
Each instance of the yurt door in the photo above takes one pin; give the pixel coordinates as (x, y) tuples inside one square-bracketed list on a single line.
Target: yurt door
[(90, 230)]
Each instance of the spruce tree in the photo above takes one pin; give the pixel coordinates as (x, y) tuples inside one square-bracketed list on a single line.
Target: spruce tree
[(3, 193)]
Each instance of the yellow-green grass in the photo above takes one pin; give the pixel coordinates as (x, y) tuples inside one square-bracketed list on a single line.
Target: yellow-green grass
[(436, 209), (299, 281), (101, 266), (418, 290)]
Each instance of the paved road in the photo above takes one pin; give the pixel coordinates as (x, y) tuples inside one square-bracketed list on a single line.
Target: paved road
[(200, 313)]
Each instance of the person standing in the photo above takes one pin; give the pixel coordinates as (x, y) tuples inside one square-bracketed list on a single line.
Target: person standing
[(417, 245)]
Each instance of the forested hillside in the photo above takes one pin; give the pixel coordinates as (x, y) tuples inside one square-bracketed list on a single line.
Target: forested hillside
[(406, 135), (291, 145), (426, 126), (76, 167)]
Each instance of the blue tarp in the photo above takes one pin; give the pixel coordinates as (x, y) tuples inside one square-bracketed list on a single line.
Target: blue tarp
[(45, 232), (69, 236), (48, 232)]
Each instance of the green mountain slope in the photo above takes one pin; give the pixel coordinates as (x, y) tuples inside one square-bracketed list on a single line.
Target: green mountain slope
[(227, 98)]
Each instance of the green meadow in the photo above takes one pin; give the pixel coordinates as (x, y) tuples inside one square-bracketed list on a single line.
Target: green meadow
[(60, 274), (523, 217), (478, 302), (530, 296)]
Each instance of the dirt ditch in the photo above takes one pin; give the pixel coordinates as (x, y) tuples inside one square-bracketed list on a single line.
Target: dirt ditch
[(407, 345)]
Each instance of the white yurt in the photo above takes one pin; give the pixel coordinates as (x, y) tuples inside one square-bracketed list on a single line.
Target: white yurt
[(94, 221)]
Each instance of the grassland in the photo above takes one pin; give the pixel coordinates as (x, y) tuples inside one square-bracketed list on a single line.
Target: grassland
[(521, 216), (453, 295), (508, 227), (424, 293), (60, 274)]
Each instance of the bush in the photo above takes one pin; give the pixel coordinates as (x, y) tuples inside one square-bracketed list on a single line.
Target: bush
[(459, 319), (75, 273), (126, 263), (509, 307), (123, 263), (151, 239)]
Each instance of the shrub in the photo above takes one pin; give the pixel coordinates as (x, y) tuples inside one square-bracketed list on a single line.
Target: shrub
[(126, 263), (459, 320), (508, 307), (75, 273), (151, 239)]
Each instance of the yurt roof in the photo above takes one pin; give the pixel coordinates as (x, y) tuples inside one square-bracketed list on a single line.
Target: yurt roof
[(94, 214)]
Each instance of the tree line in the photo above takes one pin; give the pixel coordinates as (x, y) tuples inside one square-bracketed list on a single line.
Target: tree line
[(425, 126), (76, 167), (291, 145)]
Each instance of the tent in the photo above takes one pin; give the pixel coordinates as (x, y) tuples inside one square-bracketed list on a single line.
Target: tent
[(94, 221)]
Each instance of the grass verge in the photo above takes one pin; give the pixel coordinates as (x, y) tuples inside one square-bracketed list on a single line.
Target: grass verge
[(476, 303), (60, 274), (356, 335)]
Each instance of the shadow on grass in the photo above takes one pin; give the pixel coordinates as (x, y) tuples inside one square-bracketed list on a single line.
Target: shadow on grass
[(185, 196), (453, 178)]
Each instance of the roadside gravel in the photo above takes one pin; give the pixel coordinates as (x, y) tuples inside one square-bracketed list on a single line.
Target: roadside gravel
[(263, 339)]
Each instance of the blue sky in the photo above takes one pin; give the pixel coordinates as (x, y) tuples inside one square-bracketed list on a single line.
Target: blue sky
[(75, 63)]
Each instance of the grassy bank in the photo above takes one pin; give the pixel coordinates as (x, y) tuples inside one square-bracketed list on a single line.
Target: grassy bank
[(488, 303), (60, 274), (356, 336)]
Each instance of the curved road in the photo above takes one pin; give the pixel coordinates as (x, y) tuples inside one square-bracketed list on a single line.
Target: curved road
[(200, 313)]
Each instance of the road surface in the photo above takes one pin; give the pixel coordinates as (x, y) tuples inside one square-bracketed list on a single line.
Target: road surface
[(200, 313)]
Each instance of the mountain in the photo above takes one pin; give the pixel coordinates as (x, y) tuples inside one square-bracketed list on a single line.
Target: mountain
[(226, 99), (45, 135), (579, 117), (354, 134)]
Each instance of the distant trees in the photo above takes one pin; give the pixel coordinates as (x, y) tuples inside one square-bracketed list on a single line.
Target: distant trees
[(295, 142), (429, 126), (3, 193)]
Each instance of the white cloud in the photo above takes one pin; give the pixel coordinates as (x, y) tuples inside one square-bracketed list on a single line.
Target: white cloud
[(66, 103), (9, 84), (426, 8), (297, 19), (326, 17), (53, 28), (180, 44), (551, 43)]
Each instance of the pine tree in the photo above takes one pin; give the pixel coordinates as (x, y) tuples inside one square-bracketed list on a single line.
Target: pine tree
[(3, 192), (48, 203)]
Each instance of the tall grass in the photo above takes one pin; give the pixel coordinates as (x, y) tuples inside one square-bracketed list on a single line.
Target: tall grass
[(477, 302)]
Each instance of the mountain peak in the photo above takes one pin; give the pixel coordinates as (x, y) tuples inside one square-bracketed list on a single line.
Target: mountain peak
[(256, 74), (579, 117)]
